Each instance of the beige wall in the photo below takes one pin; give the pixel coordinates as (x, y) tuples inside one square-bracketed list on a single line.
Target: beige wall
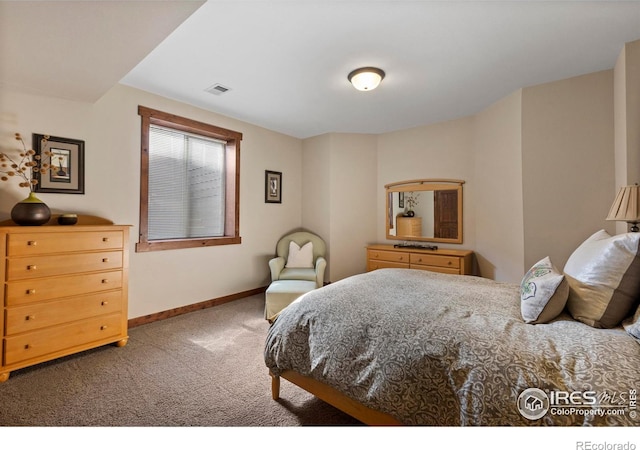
[(316, 194), (497, 155), (620, 122), (353, 207), (111, 129), (539, 166), (568, 164), (627, 117), (632, 97), (339, 173), (434, 151)]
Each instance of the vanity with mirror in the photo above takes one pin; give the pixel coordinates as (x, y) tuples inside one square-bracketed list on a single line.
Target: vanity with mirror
[(425, 210), (430, 211)]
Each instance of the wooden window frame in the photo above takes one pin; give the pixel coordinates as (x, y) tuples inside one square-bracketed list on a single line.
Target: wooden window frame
[(232, 192)]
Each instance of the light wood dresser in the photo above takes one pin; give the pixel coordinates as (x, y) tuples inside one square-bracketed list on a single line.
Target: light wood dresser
[(64, 290), (381, 256)]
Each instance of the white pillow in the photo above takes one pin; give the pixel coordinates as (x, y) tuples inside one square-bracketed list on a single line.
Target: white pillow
[(543, 293), (300, 257), (604, 279)]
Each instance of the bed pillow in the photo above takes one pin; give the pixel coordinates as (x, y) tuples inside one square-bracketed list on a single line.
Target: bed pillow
[(300, 257), (632, 325), (604, 279), (543, 293)]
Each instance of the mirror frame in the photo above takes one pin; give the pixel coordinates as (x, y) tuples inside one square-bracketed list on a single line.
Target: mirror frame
[(423, 185)]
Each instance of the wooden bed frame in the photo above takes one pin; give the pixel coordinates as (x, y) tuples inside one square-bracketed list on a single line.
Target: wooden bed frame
[(333, 397)]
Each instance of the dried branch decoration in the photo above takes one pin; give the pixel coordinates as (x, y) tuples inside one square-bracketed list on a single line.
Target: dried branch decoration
[(411, 200), (28, 166)]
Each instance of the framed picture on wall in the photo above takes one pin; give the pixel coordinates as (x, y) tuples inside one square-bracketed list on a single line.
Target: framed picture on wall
[(66, 158), (272, 186)]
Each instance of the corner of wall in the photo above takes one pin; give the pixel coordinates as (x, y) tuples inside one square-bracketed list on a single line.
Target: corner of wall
[(498, 189)]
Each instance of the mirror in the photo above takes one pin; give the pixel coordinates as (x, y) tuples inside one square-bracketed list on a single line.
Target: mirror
[(425, 210)]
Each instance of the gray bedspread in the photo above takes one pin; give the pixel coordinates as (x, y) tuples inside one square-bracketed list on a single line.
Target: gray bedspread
[(436, 349)]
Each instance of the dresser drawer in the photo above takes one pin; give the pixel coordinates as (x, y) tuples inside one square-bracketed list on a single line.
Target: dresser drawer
[(382, 255), (374, 264), (41, 315), (22, 292), (21, 244), (44, 266), (436, 269), (56, 339), (435, 260)]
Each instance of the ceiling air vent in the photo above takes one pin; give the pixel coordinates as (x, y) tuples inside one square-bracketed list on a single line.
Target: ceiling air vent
[(217, 89)]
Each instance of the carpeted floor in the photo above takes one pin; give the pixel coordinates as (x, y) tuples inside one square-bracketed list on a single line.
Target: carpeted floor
[(204, 368)]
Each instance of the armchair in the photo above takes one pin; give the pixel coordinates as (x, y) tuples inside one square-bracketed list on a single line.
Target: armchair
[(278, 265)]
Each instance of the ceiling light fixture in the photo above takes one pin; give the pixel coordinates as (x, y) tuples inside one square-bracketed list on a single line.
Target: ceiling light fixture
[(366, 78)]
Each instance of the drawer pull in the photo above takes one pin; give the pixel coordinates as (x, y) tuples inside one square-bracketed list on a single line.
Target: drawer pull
[(400, 258), (27, 346), (449, 263), (103, 327), (104, 303), (105, 239), (32, 243), (32, 267), (419, 259), (31, 291), (30, 318), (105, 281), (105, 260)]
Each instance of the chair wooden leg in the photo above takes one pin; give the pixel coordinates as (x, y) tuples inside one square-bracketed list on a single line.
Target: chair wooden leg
[(275, 387)]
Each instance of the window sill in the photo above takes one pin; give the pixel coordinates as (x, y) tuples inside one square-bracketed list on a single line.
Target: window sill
[(186, 243)]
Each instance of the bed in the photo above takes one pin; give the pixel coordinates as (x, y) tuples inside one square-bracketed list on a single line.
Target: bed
[(403, 346)]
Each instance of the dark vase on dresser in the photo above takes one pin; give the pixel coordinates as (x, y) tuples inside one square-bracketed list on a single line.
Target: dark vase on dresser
[(31, 212)]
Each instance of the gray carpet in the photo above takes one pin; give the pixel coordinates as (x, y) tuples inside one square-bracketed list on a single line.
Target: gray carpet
[(204, 369)]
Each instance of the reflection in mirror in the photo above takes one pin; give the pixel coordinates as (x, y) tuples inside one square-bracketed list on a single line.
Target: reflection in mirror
[(425, 210)]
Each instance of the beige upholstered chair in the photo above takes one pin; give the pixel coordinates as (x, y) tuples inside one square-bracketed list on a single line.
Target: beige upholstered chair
[(278, 265)]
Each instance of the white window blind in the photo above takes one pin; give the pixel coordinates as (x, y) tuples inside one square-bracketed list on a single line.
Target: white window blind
[(186, 185)]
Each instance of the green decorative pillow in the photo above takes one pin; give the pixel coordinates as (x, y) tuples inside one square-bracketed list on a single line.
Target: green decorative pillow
[(543, 293), (604, 279)]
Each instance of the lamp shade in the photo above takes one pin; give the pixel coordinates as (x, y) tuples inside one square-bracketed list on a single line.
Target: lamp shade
[(625, 207), (366, 78)]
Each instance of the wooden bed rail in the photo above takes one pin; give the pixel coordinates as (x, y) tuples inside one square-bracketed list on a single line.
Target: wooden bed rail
[(333, 397)]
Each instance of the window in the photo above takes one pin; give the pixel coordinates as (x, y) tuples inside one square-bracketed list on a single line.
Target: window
[(189, 183)]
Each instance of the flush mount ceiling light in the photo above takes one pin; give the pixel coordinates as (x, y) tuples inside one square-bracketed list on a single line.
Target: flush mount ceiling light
[(366, 78)]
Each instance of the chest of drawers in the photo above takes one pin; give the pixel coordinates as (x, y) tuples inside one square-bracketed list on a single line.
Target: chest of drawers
[(64, 291), (441, 260), (409, 226)]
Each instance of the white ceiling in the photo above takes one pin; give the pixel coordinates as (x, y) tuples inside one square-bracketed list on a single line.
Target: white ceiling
[(78, 50), (286, 62)]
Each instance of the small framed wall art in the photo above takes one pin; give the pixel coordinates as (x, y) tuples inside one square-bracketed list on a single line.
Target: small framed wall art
[(66, 157), (272, 186)]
